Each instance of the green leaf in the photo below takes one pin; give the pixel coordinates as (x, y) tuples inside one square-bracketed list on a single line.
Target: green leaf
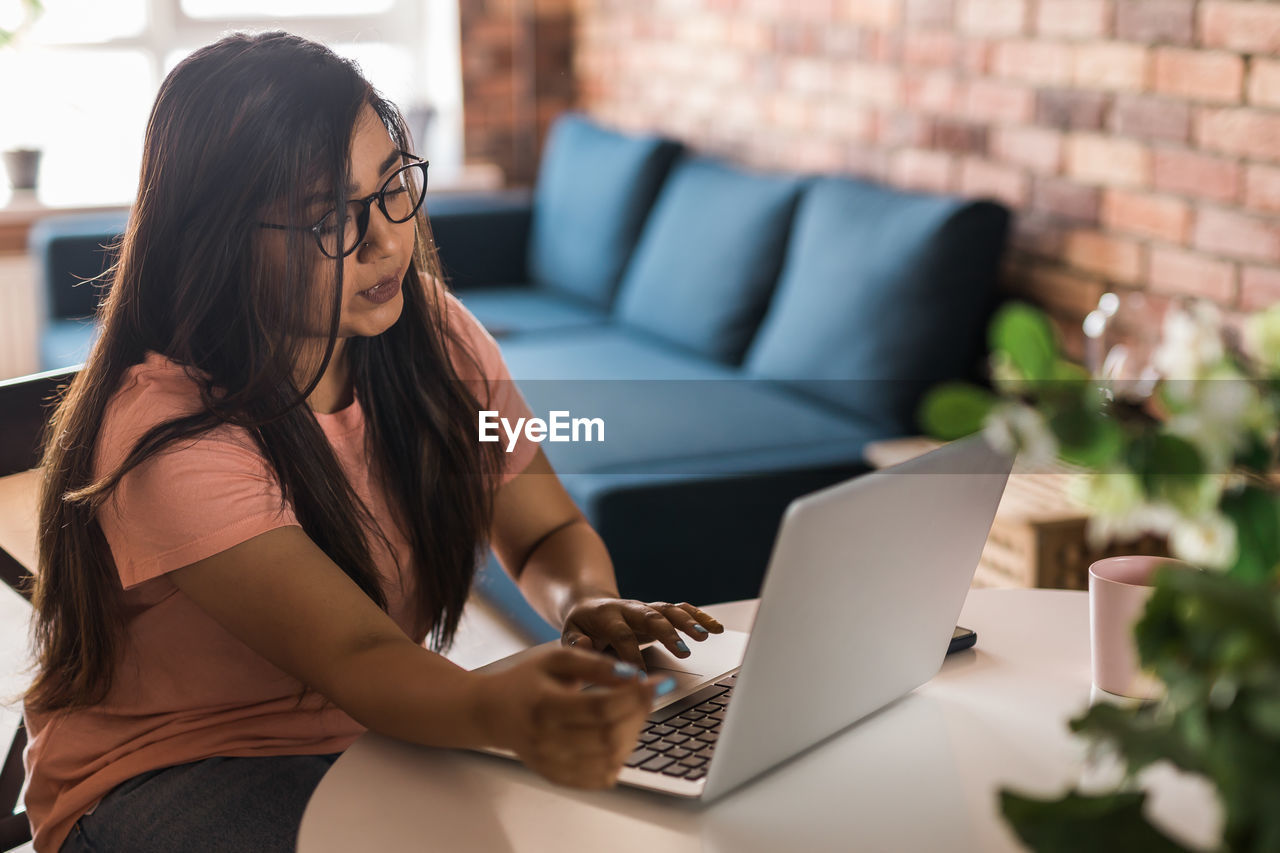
[(1141, 736), (1171, 469), (1086, 437), (1077, 822), (1025, 334), (1256, 515), (954, 410)]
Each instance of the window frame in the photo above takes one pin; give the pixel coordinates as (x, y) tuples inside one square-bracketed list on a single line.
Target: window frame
[(426, 29)]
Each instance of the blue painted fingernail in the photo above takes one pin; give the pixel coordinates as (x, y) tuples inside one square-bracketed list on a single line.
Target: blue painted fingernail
[(700, 629), (682, 647), (622, 669), (665, 686)]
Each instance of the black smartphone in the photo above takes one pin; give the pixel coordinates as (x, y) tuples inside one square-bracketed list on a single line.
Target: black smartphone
[(962, 638)]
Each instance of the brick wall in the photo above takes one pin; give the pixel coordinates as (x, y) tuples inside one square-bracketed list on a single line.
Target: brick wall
[(516, 77), (1138, 140)]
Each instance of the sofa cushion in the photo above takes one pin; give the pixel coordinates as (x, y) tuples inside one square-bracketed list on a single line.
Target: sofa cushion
[(521, 308), (595, 187), (609, 352), (882, 294), (708, 257), (673, 414)]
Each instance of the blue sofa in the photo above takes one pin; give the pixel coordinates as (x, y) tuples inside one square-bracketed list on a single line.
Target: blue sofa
[(742, 335)]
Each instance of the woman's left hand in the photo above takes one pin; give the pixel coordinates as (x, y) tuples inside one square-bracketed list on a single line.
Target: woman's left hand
[(623, 625)]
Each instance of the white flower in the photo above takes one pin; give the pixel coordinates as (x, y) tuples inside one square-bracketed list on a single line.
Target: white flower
[(1191, 344), (1018, 428), (1208, 540), (1223, 410), (1262, 338), (1108, 493), (1005, 375), (1156, 518)]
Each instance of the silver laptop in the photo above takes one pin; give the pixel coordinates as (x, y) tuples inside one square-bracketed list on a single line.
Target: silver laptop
[(863, 589)]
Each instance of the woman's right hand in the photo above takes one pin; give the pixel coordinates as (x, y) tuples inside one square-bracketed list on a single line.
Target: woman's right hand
[(577, 738)]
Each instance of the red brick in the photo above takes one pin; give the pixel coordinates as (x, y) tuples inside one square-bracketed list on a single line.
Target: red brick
[(814, 154), (883, 14), (922, 170), (842, 42), (1195, 174), (991, 100), (930, 13), (1111, 65), (1040, 62), (1070, 109), (806, 75), (791, 113), (992, 17), (1244, 27), (1264, 82), (1262, 188), (1109, 161), (1037, 233), (1058, 289), (884, 47), (1074, 18), (848, 121), (1236, 234), (963, 137), (1251, 133), (798, 37), (1066, 200), (904, 130), (1148, 117), (1156, 21), (1259, 288), (1037, 148), (870, 84), (991, 180), (1199, 74), (1162, 217), (933, 92), (1112, 258), (975, 55), (929, 49), (866, 161), (749, 35), (1186, 273)]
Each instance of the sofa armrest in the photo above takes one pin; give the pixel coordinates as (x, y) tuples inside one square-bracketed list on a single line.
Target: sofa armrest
[(70, 250), (482, 238)]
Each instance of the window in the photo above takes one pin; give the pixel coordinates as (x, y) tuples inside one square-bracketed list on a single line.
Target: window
[(91, 71)]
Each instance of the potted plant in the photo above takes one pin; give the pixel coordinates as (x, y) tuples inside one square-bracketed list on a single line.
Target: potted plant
[(22, 162), (1192, 457)]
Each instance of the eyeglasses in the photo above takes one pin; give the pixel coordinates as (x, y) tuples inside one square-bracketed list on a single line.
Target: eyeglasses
[(399, 199)]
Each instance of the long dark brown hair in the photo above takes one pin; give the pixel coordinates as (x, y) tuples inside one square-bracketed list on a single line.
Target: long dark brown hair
[(249, 121)]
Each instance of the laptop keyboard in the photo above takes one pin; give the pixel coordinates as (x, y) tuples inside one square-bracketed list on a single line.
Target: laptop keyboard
[(678, 740)]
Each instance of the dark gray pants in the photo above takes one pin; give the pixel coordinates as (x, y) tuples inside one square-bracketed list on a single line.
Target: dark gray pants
[(220, 805)]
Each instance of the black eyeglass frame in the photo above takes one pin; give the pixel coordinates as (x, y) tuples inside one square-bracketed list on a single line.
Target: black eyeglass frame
[(362, 219)]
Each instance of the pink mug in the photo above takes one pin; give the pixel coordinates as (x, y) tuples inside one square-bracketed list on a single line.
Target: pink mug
[(1118, 591)]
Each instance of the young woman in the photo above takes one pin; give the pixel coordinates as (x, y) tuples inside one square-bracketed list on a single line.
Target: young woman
[(264, 493)]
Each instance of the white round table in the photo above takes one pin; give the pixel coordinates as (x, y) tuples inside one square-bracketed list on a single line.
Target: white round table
[(922, 774)]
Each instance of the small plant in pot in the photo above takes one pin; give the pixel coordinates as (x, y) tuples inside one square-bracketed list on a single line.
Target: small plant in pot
[(22, 162), (1191, 456)]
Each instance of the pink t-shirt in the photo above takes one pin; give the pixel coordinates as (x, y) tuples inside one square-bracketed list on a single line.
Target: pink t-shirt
[(186, 689)]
